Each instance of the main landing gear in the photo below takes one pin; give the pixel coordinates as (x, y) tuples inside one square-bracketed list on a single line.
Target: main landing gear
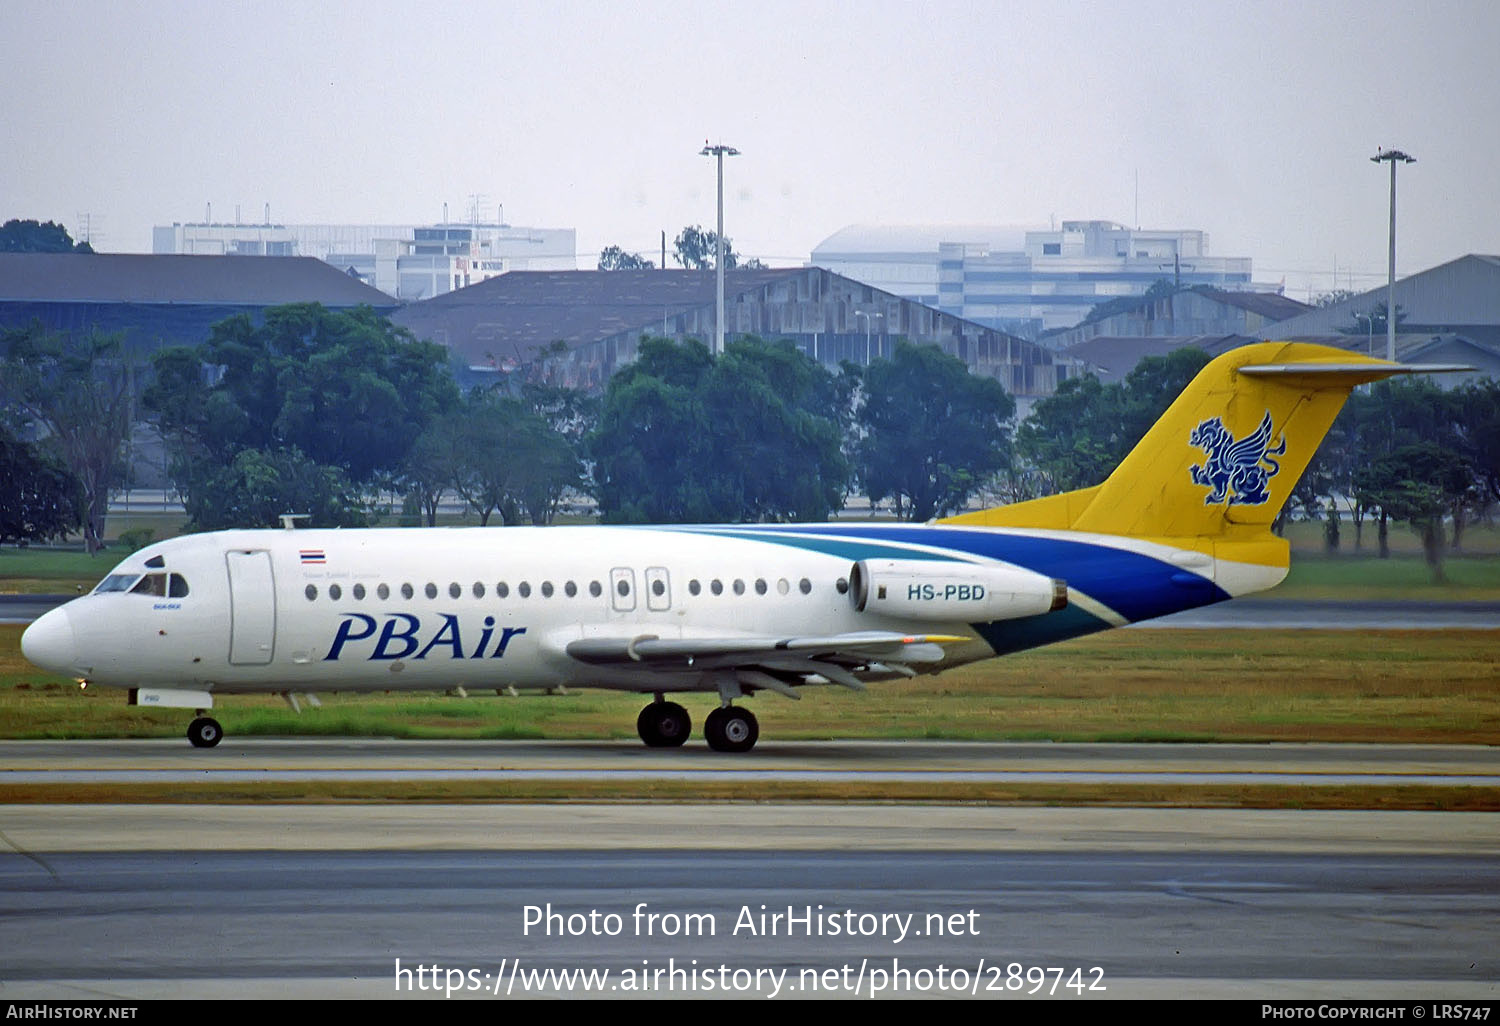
[(664, 724), (731, 729), (205, 732)]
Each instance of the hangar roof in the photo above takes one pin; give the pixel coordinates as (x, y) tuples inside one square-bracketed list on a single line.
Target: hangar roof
[(180, 280), (532, 309)]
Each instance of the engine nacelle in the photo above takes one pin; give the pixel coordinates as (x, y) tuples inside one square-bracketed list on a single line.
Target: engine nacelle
[(925, 589)]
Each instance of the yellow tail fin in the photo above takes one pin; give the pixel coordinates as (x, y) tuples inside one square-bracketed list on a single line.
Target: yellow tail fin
[(1223, 459)]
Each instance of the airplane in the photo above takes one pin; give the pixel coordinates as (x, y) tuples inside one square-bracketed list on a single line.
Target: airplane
[(733, 610)]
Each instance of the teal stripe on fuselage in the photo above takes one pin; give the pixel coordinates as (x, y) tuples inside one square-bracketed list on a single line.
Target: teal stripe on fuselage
[(1006, 636), (851, 549)]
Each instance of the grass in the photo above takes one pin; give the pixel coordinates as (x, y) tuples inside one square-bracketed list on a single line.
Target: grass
[(1401, 577), (1350, 686), (1309, 686), (1385, 798)]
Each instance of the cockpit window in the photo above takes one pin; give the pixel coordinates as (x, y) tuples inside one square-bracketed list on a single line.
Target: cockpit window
[(177, 586), (151, 584), (116, 582)]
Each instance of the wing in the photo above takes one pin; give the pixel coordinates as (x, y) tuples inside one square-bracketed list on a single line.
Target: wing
[(775, 664)]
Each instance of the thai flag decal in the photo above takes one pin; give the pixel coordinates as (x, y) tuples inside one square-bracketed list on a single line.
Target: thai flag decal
[(312, 556)]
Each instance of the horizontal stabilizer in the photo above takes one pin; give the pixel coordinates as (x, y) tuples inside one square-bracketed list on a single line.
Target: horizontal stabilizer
[(1327, 375)]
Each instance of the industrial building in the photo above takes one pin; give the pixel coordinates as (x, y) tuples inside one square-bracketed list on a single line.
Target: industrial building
[(165, 300), (577, 328), (409, 262), (1194, 310), (1027, 281)]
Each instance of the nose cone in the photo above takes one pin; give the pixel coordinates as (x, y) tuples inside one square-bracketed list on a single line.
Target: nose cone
[(49, 642)]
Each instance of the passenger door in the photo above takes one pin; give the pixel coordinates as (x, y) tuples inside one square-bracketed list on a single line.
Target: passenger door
[(252, 608)]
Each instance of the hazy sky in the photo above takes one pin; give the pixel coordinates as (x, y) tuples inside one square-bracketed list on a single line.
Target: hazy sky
[(1253, 121)]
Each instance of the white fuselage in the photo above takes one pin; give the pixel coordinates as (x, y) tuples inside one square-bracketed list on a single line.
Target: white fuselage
[(311, 610)]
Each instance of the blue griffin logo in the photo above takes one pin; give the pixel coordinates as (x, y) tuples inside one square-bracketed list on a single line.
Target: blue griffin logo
[(1237, 469)]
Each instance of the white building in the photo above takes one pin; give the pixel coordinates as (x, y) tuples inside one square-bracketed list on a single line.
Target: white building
[(1026, 281), (410, 262)]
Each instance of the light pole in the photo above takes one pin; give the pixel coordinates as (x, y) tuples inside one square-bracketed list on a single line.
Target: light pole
[(1393, 157), (719, 152), (867, 317), (1369, 320)]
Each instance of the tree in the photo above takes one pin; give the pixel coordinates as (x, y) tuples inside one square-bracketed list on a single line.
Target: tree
[(18, 236), (1477, 415), (498, 456), (1418, 484), (613, 258), (695, 248), (41, 500), (933, 433), (258, 486), (345, 389), (82, 393), (1076, 437), (752, 436), (1332, 297), (1373, 324)]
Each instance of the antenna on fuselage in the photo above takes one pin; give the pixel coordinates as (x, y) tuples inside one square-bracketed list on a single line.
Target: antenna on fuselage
[(289, 520)]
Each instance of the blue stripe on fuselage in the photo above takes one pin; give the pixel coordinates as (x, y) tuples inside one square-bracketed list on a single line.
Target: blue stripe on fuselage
[(1136, 586)]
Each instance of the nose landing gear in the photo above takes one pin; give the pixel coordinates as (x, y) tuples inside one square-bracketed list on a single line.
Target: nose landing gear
[(205, 732)]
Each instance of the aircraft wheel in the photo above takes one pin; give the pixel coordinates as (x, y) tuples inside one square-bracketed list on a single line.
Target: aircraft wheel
[(664, 725), (731, 729), (205, 732)]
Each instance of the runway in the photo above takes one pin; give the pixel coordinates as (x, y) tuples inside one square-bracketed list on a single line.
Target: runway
[(251, 899), (250, 760), (300, 902)]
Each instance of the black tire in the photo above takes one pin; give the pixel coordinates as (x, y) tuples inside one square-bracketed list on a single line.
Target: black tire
[(731, 729), (664, 725), (205, 732), (713, 730)]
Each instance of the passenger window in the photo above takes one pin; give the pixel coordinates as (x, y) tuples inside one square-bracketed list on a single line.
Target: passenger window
[(739, 586), (657, 587), (177, 587), (842, 584), (694, 587), (359, 592), (335, 592), (455, 590), (502, 589), (716, 586), (406, 591), (546, 589), (478, 590), (782, 587), (570, 589), (383, 592), (431, 590), (595, 589), (524, 589), (805, 586), (623, 587), (311, 591), (760, 586)]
